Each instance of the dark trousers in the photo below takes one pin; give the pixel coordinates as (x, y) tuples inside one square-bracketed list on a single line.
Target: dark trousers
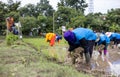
[(91, 44), (87, 45), (117, 41), (105, 44)]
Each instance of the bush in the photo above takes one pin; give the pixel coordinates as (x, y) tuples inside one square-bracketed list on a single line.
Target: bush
[(11, 38)]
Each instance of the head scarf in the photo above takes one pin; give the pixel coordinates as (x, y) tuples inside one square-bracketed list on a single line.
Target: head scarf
[(69, 36)]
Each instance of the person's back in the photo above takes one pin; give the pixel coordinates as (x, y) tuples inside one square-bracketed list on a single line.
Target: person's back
[(107, 39), (50, 37), (113, 36), (103, 39), (117, 36), (84, 33)]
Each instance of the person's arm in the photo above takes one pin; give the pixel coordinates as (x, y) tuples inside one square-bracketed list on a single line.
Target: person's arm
[(99, 42), (72, 46)]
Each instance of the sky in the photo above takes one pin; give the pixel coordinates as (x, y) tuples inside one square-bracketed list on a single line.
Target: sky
[(99, 5)]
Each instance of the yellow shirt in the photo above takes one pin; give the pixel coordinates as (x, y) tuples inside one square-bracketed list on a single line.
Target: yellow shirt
[(49, 36)]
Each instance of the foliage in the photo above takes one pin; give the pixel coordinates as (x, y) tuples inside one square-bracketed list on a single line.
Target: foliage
[(28, 10), (42, 22), (77, 4), (2, 17), (114, 28), (70, 13), (63, 16), (13, 6), (95, 21), (11, 38), (44, 8), (13, 14), (113, 19), (77, 22), (27, 24)]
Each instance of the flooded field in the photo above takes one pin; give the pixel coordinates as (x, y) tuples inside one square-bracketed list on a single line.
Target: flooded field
[(102, 67), (114, 68)]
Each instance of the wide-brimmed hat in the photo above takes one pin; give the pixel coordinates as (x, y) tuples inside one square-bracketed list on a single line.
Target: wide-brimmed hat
[(69, 36), (108, 34)]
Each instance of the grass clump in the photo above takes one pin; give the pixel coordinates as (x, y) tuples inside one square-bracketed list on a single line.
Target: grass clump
[(11, 38)]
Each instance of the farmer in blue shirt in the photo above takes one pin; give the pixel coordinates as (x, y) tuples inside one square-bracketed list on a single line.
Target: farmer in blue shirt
[(118, 38), (115, 37), (82, 37), (58, 38), (104, 40)]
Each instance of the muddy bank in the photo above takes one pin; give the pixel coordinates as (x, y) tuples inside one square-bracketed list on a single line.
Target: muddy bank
[(103, 67)]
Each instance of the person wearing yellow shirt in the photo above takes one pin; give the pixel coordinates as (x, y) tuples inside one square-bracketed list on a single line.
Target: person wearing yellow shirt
[(50, 37)]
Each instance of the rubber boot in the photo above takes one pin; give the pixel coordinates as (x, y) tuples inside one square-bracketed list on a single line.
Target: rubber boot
[(105, 52), (87, 58)]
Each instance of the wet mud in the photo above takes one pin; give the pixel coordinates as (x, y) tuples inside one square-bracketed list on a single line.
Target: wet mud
[(101, 67)]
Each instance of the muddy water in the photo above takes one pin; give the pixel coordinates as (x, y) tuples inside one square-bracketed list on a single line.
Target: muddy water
[(114, 68)]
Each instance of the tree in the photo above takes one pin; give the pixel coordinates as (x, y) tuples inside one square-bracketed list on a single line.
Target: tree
[(95, 21), (42, 22), (77, 4), (15, 15), (64, 17), (113, 16), (27, 24), (3, 10), (43, 7), (78, 21), (13, 6), (61, 3), (28, 10)]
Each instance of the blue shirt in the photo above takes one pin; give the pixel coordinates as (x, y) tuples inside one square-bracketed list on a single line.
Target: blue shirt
[(81, 33), (103, 38), (113, 35)]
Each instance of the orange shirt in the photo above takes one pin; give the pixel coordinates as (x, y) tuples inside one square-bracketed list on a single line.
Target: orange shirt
[(9, 22)]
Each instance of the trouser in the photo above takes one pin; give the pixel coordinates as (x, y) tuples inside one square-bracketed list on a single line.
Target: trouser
[(52, 41), (88, 48), (91, 44), (115, 42), (105, 47), (118, 41)]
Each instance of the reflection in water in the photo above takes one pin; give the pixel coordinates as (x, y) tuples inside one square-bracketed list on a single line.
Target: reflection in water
[(115, 68)]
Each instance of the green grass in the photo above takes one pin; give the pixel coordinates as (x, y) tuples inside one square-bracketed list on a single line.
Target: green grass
[(23, 61), (57, 52), (40, 42)]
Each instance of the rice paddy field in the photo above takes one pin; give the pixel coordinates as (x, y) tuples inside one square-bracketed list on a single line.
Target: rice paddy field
[(33, 57)]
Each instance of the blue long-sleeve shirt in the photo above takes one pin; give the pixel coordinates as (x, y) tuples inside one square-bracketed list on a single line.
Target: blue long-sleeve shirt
[(103, 38), (113, 35), (81, 33), (117, 36)]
